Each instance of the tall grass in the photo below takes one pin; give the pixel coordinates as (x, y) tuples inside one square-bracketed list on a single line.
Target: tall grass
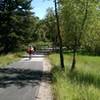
[(9, 58), (82, 84)]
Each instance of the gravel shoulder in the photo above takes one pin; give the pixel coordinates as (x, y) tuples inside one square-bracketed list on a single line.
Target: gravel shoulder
[(45, 90)]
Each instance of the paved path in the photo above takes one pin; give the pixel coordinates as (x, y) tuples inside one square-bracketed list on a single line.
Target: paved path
[(21, 80)]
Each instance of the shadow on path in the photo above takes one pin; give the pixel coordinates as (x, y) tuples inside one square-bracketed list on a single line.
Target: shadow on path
[(21, 77)]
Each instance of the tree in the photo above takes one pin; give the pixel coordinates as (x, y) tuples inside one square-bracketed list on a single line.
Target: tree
[(50, 22), (75, 19), (91, 42), (59, 36), (14, 23)]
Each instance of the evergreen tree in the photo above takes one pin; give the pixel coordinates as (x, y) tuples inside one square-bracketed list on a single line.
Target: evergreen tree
[(14, 23)]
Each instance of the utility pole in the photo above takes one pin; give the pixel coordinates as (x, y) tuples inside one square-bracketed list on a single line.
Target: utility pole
[(59, 35)]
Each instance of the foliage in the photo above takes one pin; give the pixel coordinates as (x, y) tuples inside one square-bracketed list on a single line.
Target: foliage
[(51, 25), (75, 15), (42, 45), (47, 27), (15, 21), (91, 42), (77, 19)]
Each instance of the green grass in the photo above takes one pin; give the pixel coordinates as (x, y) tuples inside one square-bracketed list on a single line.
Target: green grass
[(9, 58), (82, 84)]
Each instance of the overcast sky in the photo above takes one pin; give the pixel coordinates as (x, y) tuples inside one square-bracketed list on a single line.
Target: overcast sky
[(40, 6)]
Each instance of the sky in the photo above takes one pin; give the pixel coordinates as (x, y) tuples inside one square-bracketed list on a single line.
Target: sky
[(40, 6)]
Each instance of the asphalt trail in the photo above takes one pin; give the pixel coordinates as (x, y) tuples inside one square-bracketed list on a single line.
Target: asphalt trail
[(21, 80)]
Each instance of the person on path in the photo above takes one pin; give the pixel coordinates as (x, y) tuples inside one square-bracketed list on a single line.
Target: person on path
[(30, 51)]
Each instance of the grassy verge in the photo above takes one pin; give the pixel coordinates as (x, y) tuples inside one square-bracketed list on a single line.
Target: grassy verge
[(9, 58), (82, 84)]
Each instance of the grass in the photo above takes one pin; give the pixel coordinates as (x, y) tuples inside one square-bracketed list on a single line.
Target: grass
[(82, 84), (9, 58)]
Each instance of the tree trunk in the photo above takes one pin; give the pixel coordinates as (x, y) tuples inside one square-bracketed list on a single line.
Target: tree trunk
[(74, 60), (59, 37), (75, 47), (77, 42)]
